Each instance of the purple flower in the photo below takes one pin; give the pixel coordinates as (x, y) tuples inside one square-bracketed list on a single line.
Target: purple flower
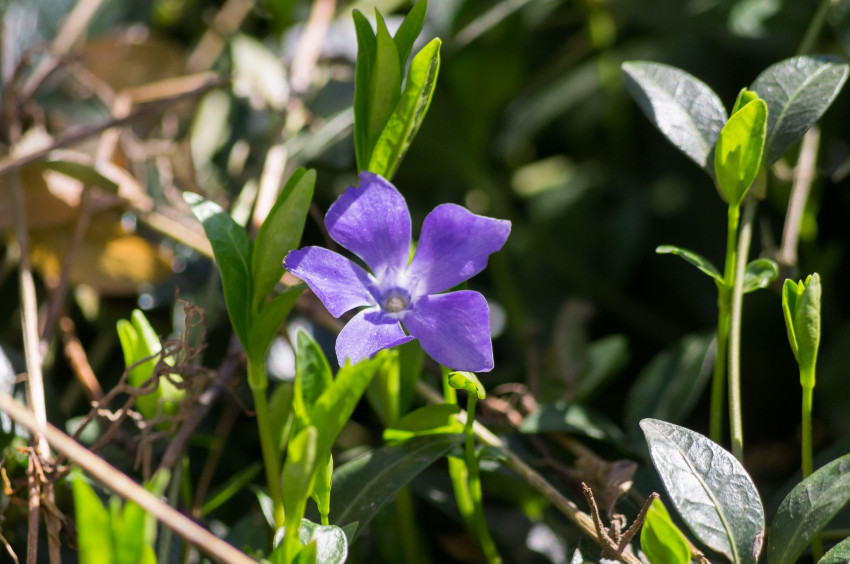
[(373, 222)]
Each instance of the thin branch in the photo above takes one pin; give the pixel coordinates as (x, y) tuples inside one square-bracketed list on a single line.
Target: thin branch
[(125, 487), (804, 176)]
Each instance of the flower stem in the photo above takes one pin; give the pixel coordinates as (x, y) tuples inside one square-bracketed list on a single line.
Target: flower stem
[(817, 545), (736, 284), (482, 533), (259, 381), (724, 307)]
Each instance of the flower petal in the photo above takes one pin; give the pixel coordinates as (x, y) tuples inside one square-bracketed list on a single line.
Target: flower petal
[(454, 329), (372, 221), (368, 332), (454, 246), (339, 283)]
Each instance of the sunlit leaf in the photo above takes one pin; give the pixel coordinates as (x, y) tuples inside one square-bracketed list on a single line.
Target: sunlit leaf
[(661, 540), (739, 151), (695, 259), (681, 106), (710, 489), (428, 420), (759, 274), (468, 381)]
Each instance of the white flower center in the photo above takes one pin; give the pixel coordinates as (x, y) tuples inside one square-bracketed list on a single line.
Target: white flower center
[(395, 301)]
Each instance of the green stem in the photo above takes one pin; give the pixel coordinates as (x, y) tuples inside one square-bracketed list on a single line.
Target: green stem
[(817, 544), (259, 381), (724, 307), (482, 533), (737, 285), (815, 27)]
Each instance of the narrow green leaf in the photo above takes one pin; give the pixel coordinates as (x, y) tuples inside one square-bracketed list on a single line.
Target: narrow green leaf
[(364, 485), (94, 530), (744, 97), (281, 413), (798, 91), (791, 292), (681, 106), (232, 250), (384, 83), (710, 489), (367, 49), (323, 483), (838, 554), (410, 29), (136, 529), (670, 385), (334, 407), (695, 259), (807, 509), (298, 473), (233, 485), (759, 274), (265, 325), (429, 420), (807, 328), (468, 381), (404, 123), (280, 233), (739, 150), (661, 540), (312, 374)]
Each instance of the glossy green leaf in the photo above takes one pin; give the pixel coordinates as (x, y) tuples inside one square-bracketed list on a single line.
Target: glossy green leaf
[(739, 151), (838, 554), (660, 539), (94, 530), (428, 420), (312, 374), (681, 106), (807, 509), (280, 233), (695, 259), (265, 326), (567, 417), (232, 486), (363, 485), (232, 250), (402, 125), (670, 385), (366, 51), (710, 489), (330, 541), (759, 274), (468, 381), (410, 29), (798, 91)]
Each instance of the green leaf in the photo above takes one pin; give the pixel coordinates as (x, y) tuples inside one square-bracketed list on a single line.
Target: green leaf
[(468, 381), (334, 407), (838, 554), (330, 541), (312, 374), (681, 106), (323, 483), (759, 274), (429, 420), (384, 85), (281, 413), (661, 540), (232, 250), (670, 385), (265, 325), (807, 509), (280, 233), (364, 485), (710, 489), (404, 123), (137, 529), (298, 473), (739, 151), (801, 308), (410, 29), (233, 485), (567, 417), (798, 91), (367, 49), (695, 259), (94, 529), (744, 97)]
